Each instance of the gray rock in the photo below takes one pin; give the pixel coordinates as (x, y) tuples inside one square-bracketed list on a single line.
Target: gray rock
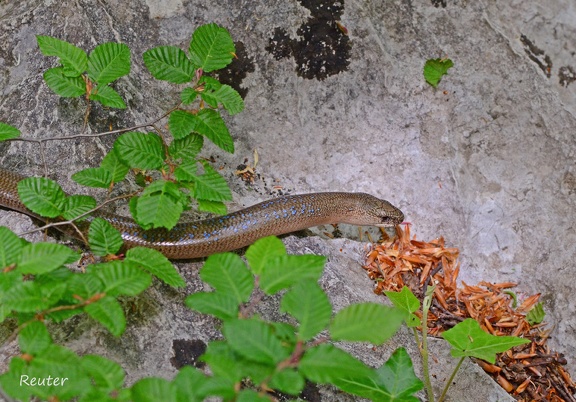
[(486, 160)]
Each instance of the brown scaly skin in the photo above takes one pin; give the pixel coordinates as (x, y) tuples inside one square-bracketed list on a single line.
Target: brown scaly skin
[(238, 229)]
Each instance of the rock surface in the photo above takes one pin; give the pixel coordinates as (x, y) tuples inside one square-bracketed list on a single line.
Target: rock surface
[(486, 160)]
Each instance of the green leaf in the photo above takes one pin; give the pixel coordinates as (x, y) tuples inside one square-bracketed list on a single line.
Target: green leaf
[(249, 395), (308, 303), (211, 186), (218, 304), (287, 270), (366, 322), (211, 48), (154, 262), (52, 294), (153, 389), (21, 370), (25, 297), (108, 62), (85, 286), (42, 196), (67, 87), (227, 273), (76, 205), (210, 124), (10, 380), (223, 361), (107, 96), (169, 63), (217, 387), (39, 258), (8, 132), (288, 381), (160, 205), (285, 332), (536, 314), (215, 207), (434, 69), (394, 381), (187, 171), (73, 59), (187, 147), (407, 303), (260, 253), (227, 96), (108, 312), (34, 338), (54, 287), (188, 95), (121, 278), (8, 280), (181, 123), (468, 339), (138, 150), (326, 363), (254, 340), (209, 83), (105, 373), (115, 166), (93, 177), (133, 205), (10, 246), (190, 383), (103, 238), (58, 361)]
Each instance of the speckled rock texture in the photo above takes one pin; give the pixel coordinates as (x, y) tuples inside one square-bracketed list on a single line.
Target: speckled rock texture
[(486, 160)]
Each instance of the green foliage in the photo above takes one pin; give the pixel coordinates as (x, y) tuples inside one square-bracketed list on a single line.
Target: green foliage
[(156, 264), (185, 176), (435, 69), (81, 74), (214, 93), (93, 177), (169, 63), (160, 205), (76, 205), (536, 314), (138, 150), (42, 196), (366, 322), (468, 339), (8, 132), (406, 302), (308, 303), (108, 312), (103, 238), (211, 48), (73, 59), (393, 381), (34, 278), (41, 258), (114, 166), (108, 62), (278, 355)]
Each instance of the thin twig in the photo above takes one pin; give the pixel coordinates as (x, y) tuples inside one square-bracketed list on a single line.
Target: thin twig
[(102, 134), (449, 382)]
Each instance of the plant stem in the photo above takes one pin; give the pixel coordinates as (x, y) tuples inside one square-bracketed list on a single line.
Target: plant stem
[(450, 379), (424, 350)]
